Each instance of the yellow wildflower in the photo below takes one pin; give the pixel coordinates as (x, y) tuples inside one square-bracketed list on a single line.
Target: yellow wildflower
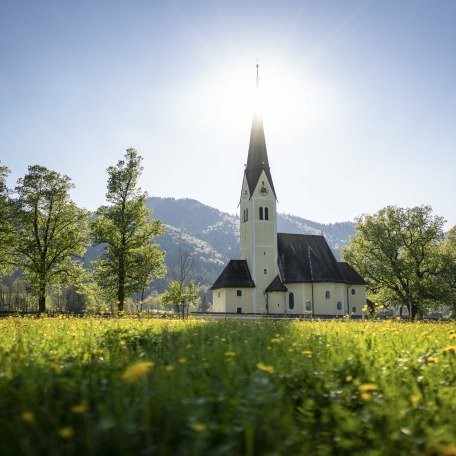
[(182, 360), (366, 396), (348, 378), (66, 432), (453, 336), (276, 340), (450, 349), (367, 387), (169, 368), (414, 399), (79, 408), (307, 353), (431, 359), (136, 371), (28, 417), (265, 368), (199, 427), (230, 354)]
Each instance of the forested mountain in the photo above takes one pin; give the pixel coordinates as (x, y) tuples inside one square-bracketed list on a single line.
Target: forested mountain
[(211, 237)]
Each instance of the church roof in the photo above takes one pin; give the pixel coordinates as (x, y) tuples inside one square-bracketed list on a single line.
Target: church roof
[(306, 258), (257, 160), (276, 285), (235, 275), (350, 275)]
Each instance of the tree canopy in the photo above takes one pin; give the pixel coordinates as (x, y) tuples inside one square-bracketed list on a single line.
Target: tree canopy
[(51, 230), (399, 253), (7, 238), (127, 230)]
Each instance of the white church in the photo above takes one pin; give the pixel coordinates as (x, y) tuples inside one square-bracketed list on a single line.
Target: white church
[(281, 273)]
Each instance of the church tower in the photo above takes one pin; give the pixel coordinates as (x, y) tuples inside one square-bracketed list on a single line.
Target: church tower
[(258, 216)]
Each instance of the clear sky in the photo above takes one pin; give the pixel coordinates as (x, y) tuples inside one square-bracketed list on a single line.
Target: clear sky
[(359, 98)]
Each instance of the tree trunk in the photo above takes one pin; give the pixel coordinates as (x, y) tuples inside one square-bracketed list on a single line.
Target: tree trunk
[(42, 298), (121, 288)]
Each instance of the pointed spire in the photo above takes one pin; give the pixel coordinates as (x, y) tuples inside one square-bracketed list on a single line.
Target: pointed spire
[(257, 79), (257, 160)]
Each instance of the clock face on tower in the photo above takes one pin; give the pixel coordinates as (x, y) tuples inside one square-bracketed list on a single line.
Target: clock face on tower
[(263, 190), (245, 193)]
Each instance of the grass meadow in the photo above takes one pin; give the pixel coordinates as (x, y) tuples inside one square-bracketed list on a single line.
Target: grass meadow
[(147, 386)]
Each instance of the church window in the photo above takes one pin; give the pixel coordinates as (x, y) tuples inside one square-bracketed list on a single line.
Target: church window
[(239, 292), (353, 291), (218, 294), (308, 305), (328, 295), (265, 271), (291, 301), (266, 213), (354, 309), (261, 213), (239, 310), (246, 214), (339, 306)]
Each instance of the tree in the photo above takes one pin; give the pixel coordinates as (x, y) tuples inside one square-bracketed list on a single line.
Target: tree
[(183, 290), (448, 268), (397, 252), (51, 229), (180, 295), (7, 237), (148, 264), (126, 228)]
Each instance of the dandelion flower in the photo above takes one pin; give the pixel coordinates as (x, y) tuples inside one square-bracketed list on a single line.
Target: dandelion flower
[(414, 399), (198, 427), (265, 368), (348, 378), (276, 340), (450, 349), (28, 417), (307, 353), (453, 336), (366, 396), (431, 359), (66, 432), (79, 408), (367, 387), (136, 371), (169, 368), (182, 360), (230, 354)]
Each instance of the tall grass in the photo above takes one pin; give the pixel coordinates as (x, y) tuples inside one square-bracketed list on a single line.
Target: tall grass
[(127, 386)]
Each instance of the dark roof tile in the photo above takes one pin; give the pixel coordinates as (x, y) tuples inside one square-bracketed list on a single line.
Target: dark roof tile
[(236, 274), (276, 285)]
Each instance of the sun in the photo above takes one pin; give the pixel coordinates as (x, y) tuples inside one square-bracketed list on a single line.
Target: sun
[(287, 97)]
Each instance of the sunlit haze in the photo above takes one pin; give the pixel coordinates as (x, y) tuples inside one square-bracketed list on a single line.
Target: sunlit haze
[(358, 98)]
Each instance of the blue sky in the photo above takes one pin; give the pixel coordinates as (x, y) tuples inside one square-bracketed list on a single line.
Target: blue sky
[(359, 98)]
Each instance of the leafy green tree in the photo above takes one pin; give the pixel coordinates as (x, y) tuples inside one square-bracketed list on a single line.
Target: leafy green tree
[(396, 250), (51, 229), (448, 268), (126, 228), (148, 264), (180, 295), (7, 238)]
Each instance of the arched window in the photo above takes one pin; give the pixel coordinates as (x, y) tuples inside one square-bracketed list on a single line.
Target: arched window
[(308, 305), (261, 213), (328, 295), (291, 301), (339, 305), (266, 213), (353, 291)]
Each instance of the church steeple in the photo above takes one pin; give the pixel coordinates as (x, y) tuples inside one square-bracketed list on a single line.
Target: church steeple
[(257, 160)]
